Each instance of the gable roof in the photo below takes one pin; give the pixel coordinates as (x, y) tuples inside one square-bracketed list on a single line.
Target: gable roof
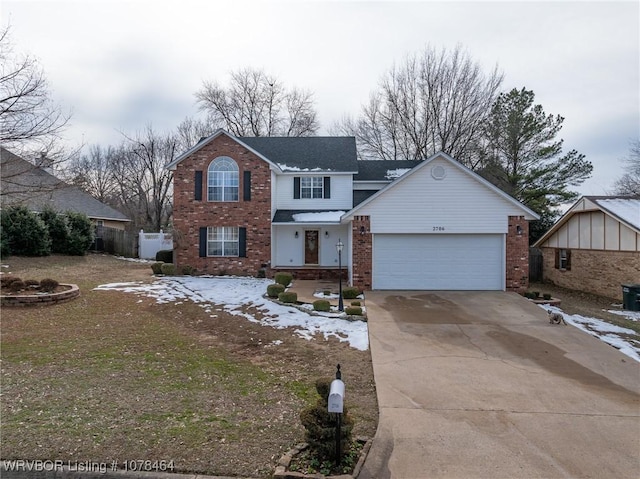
[(625, 209), (25, 184), (383, 170), (308, 153), (527, 212), (293, 154)]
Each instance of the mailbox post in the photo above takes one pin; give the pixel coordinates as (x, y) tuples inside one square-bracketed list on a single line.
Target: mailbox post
[(336, 405)]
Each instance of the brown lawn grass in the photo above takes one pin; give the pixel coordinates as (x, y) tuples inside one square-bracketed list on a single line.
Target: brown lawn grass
[(112, 376)]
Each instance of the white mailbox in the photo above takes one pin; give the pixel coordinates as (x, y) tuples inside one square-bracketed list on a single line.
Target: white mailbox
[(336, 396)]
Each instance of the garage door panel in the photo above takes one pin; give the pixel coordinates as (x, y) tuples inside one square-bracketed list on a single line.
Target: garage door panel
[(438, 262)]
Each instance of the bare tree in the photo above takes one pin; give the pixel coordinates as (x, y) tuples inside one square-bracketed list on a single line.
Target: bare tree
[(144, 184), (434, 101), (94, 172), (191, 131), (257, 104), (629, 183), (29, 120)]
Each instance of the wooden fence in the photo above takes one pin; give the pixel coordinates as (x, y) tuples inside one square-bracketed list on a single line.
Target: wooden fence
[(115, 241), (535, 265)]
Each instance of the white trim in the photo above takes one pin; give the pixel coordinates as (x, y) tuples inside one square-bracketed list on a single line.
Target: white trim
[(203, 143)]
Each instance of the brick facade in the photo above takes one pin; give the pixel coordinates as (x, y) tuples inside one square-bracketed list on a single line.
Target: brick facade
[(362, 252), (594, 271), (189, 214), (517, 255)]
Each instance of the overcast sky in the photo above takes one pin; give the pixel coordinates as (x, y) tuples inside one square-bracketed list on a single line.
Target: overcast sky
[(122, 64)]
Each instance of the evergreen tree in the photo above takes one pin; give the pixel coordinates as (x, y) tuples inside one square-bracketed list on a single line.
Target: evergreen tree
[(523, 157)]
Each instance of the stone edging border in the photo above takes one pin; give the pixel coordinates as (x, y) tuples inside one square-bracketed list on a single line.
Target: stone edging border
[(282, 473), (42, 299)]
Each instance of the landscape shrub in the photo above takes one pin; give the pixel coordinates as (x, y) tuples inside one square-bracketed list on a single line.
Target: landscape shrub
[(350, 292), (322, 305), (157, 267), (288, 297), (58, 227), (17, 285), (187, 269), (80, 234), (24, 233), (535, 294), (546, 296), (168, 269), (283, 278), (273, 290), (165, 256), (48, 285), (7, 279), (353, 310), (320, 424), (262, 273), (355, 303)]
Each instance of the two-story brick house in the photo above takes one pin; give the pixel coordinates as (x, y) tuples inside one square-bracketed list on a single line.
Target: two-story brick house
[(246, 204)]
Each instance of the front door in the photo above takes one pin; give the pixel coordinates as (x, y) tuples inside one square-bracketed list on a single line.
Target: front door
[(311, 246)]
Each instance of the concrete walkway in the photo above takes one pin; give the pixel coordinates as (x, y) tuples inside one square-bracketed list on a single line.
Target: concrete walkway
[(480, 385)]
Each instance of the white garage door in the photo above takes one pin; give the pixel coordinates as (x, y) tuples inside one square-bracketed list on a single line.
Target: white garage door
[(438, 262)]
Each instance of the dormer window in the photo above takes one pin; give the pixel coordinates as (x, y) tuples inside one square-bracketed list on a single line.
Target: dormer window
[(222, 180), (311, 187)]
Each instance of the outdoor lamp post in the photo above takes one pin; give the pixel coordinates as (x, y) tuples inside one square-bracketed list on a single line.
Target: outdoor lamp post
[(339, 247)]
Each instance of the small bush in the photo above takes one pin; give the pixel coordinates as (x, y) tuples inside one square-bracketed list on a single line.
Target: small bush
[(17, 285), (350, 292), (80, 233), (7, 279), (187, 269), (353, 310), (157, 267), (48, 285), (546, 296), (326, 292), (273, 290), (288, 297), (168, 269), (283, 278), (322, 305), (536, 294), (355, 303), (24, 233), (165, 256), (262, 273)]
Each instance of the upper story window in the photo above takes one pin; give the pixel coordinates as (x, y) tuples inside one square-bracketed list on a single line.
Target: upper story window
[(222, 180), (311, 187)]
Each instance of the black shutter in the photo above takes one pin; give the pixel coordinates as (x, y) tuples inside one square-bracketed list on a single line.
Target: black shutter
[(568, 265), (203, 242), (197, 194), (242, 242), (327, 187), (296, 187), (556, 264), (246, 186)]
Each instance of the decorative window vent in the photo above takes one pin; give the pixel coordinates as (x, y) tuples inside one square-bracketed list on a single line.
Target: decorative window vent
[(438, 172)]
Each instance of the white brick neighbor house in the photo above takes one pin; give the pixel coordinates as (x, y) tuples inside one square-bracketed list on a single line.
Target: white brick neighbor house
[(274, 203)]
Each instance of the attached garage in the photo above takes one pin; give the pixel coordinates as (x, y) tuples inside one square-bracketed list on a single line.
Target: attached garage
[(438, 261)]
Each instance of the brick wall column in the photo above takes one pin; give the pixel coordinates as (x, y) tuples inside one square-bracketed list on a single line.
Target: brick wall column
[(362, 252), (517, 264)]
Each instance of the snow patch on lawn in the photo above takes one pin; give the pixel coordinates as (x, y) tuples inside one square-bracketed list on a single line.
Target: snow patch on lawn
[(232, 294), (632, 315), (624, 339)]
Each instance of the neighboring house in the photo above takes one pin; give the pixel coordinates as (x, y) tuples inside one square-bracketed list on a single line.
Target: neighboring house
[(23, 183), (282, 204), (594, 246)]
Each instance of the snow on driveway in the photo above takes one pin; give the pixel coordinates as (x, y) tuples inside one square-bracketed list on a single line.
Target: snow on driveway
[(624, 339), (233, 294)]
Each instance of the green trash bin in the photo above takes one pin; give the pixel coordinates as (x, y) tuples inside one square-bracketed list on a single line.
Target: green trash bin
[(631, 297)]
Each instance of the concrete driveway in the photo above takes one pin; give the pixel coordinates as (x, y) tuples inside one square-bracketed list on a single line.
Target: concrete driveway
[(480, 385)]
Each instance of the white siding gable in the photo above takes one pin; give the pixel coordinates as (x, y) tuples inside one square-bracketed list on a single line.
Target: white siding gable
[(459, 202), (341, 194)]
